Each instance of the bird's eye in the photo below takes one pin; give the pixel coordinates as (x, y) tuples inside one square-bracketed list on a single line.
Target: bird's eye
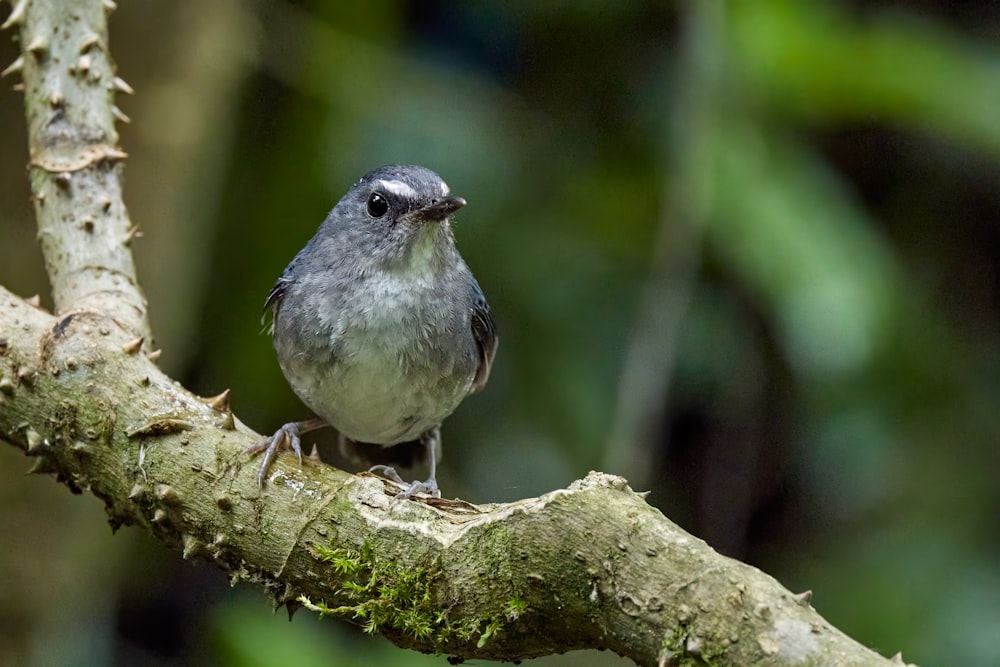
[(377, 205)]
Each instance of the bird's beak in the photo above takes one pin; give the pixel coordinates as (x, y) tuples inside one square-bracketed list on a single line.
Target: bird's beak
[(438, 210)]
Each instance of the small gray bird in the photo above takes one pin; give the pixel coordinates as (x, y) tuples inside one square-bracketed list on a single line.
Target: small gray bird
[(379, 326)]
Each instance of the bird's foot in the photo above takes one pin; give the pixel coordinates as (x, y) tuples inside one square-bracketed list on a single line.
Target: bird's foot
[(285, 438), (410, 489)]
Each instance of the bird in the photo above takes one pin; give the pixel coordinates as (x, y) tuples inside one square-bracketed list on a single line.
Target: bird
[(378, 324)]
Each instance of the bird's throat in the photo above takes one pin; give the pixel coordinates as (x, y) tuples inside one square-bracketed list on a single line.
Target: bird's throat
[(428, 250)]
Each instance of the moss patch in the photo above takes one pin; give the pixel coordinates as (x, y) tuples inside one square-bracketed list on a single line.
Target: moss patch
[(385, 597)]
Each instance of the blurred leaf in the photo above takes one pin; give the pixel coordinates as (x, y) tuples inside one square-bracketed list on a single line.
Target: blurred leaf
[(792, 232), (812, 59)]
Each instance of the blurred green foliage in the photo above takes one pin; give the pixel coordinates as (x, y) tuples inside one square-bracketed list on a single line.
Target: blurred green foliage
[(745, 254)]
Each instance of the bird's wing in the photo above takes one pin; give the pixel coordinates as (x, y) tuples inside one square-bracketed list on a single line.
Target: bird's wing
[(484, 330), (274, 298)]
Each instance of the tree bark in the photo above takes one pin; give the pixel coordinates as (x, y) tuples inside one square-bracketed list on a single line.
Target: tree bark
[(591, 566)]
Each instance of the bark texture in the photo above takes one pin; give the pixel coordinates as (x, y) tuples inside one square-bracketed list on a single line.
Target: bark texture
[(76, 182), (589, 566)]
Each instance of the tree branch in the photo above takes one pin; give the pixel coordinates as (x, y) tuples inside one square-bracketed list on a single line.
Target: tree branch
[(589, 566), (83, 227), (586, 567)]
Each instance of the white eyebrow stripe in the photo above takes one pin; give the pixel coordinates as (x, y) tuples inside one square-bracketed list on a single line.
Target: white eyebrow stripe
[(445, 190), (398, 188)]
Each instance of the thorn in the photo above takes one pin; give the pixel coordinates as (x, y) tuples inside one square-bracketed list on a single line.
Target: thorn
[(35, 441), (803, 598), (228, 423), (314, 454), (41, 466), (154, 356), (105, 204), (82, 448), (167, 494), (109, 5), (14, 67), (191, 546), (137, 493), (88, 42), (34, 300), (218, 544), (292, 606), (62, 179), (55, 100), (132, 233), (122, 87), (83, 64), (115, 523), (37, 47), (120, 115), (88, 224), (6, 386), (282, 598), (26, 375), (898, 659), (114, 154), (133, 345), (16, 15), (160, 515), (220, 402)]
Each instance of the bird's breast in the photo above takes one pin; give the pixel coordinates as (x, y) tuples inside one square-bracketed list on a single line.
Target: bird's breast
[(385, 365)]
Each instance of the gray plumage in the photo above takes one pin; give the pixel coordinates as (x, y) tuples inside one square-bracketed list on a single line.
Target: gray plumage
[(378, 324)]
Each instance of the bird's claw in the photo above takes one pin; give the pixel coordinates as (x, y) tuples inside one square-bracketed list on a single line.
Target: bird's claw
[(410, 489), (286, 437)]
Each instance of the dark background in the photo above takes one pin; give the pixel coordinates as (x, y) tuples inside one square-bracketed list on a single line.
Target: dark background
[(744, 254)]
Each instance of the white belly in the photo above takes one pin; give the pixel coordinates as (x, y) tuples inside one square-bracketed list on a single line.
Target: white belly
[(370, 400), (383, 377)]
